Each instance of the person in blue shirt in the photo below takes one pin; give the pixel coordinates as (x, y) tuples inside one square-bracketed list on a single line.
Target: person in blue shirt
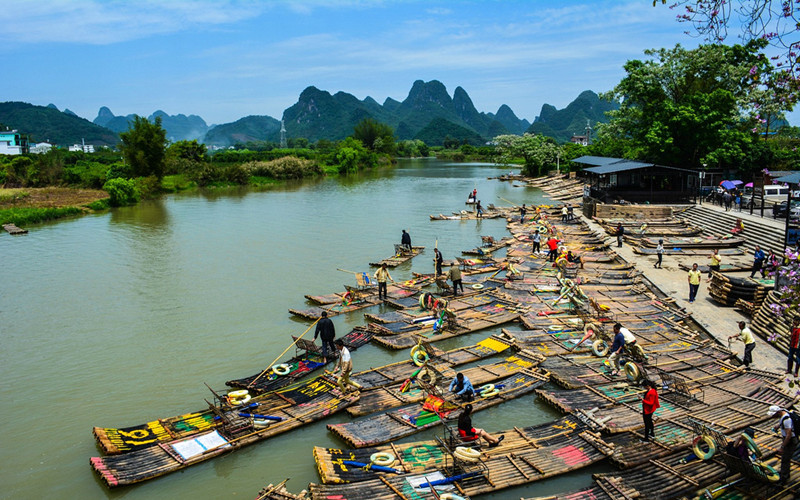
[(616, 349), (462, 387), (758, 262)]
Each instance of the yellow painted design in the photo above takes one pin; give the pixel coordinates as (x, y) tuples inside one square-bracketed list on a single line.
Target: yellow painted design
[(493, 344)]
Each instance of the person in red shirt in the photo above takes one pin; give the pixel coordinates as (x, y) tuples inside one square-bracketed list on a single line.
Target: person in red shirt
[(794, 348), (649, 406), (552, 245)]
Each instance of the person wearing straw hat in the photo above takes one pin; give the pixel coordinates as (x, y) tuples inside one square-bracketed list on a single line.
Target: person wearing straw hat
[(786, 426)]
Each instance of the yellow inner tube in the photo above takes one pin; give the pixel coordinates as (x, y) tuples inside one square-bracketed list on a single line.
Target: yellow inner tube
[(382, 458), (486, 388), (281, 369), (238, 402), (427, 372), (632, 371), (238, 394), (771, 473), (541, 229), (697, 448), (477, 286), (490, 394), (420, 358)]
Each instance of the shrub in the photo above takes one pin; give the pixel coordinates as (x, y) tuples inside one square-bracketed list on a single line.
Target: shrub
[(147, 187), (119, 171), (121, 192), (288, 167)]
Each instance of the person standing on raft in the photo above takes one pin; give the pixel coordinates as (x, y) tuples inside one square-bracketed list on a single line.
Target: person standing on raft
[(327, 333), (382, 275), (438, 259), (455, 276), (522, 212), (405, 240), (469, 433), (649, 406), (479, 210), (788, 441), (345, 364), (746, 336)]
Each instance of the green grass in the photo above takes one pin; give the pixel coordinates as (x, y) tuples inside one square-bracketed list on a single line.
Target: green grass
[(176, 183), (99, 204), (256, 180), (26, 216), (13, 195)]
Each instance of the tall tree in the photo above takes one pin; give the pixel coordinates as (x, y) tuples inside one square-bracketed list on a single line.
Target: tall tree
[(536, 151), (375, 136), (144, 146), (689, 107)]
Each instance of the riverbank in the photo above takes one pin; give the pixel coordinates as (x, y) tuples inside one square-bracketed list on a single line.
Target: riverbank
[(33, 205)]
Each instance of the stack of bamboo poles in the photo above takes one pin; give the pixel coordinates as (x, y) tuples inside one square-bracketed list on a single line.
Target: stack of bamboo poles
[(727, 290), (768, 325)]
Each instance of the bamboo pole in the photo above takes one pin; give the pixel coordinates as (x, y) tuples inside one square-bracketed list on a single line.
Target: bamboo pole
[(273, 489), (269, 366)]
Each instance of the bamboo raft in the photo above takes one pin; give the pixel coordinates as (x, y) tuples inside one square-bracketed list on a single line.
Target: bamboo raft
[(401, 255), (293, 407), (492, 247), (486, 311), (410, 419), (306, 361), (393, 396), (709, 242), (526, 456), (13, 229)]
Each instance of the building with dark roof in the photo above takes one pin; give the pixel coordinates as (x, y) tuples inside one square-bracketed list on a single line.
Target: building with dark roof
[(614, 180)]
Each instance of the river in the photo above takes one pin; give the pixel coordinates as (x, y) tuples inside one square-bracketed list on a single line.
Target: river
[(118, 318)]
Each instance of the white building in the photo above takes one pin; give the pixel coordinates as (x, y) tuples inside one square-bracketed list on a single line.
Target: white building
[(86, 148), (12, 143), (41, 148)]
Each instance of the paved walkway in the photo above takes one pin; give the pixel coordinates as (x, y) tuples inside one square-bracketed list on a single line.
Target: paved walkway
[(720, 322)]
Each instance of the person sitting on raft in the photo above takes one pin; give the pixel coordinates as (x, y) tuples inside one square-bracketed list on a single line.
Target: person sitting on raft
[(573, 258), (630, 340), (469, 433), (462, 387)]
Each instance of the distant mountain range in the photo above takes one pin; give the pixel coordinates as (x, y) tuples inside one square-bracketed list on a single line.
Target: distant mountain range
[(428, 113)]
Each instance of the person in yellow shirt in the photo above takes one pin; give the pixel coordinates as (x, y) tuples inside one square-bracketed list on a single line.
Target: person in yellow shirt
[(716, 260), (382, 275), (694, 282), (746, 336)]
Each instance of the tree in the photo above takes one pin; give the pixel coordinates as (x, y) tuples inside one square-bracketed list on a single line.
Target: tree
[(537, 152), (375, 136), (775, 21), (144, 146), (689, 107)]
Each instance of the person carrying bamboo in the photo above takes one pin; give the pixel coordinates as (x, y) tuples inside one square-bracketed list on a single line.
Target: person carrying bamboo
[(345, 364), (382, 276)]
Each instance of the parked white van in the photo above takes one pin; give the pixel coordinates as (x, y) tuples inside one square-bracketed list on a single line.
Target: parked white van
[(773, 193)]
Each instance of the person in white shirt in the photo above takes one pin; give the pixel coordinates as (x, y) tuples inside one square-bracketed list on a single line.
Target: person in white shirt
[(789, 441), (345, 364)]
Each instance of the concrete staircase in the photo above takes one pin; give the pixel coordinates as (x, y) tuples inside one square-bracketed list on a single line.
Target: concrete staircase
[(765, 232)]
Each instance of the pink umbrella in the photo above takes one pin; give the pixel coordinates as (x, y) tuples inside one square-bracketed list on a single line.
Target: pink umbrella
[(748, 185)]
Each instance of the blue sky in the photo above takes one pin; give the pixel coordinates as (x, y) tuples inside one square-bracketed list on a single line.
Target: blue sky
[(224, 60)]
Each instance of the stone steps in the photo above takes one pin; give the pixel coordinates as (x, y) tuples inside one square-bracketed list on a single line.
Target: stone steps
[(757, 231)]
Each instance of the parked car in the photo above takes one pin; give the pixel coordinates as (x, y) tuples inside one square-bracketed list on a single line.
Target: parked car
[(779, 210)]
